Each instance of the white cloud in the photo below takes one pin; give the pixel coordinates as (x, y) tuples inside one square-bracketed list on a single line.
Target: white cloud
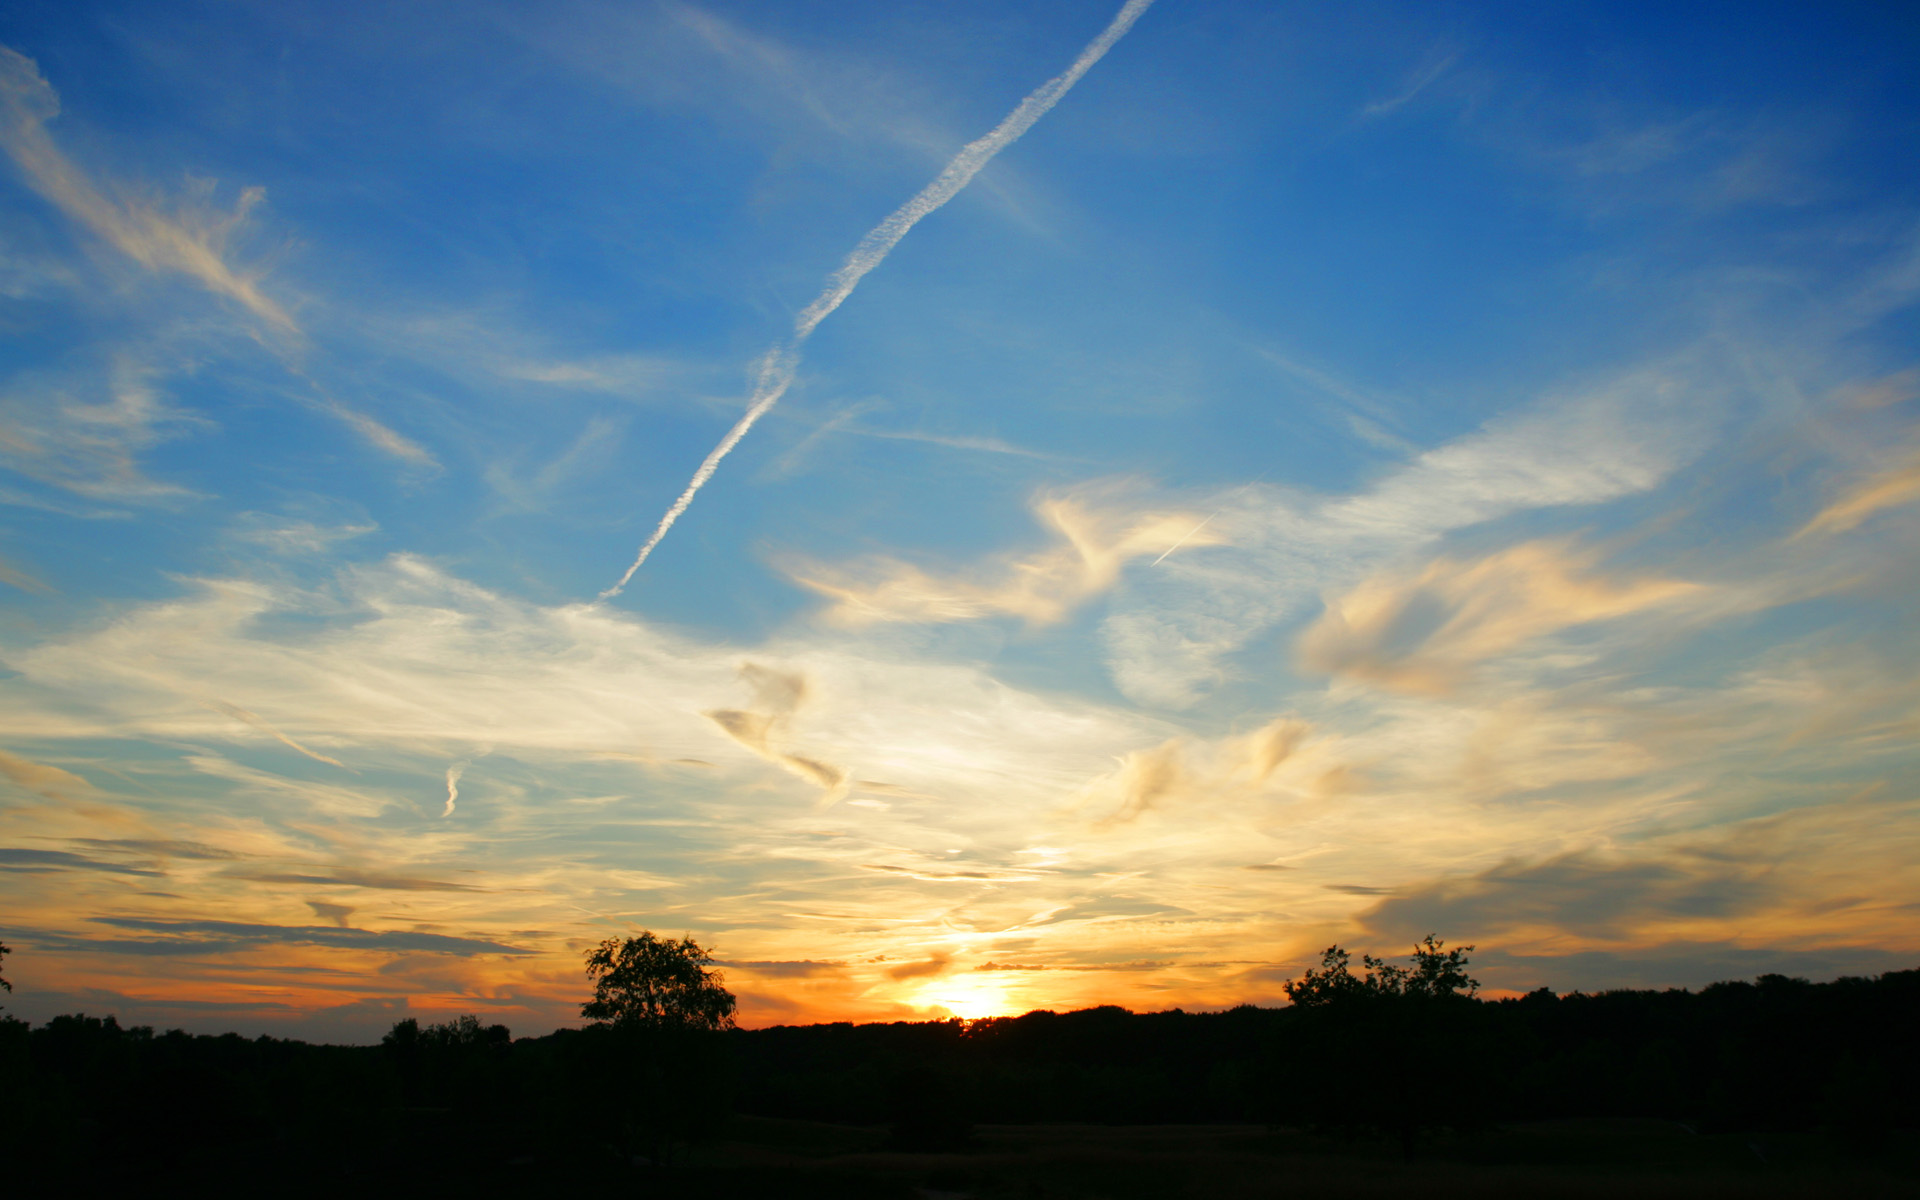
[(1171, 629), (54, 434)]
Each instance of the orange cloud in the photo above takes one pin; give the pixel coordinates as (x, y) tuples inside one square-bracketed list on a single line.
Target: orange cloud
[(1895, 487), (1424, 633), (939, 964), (51, 782)]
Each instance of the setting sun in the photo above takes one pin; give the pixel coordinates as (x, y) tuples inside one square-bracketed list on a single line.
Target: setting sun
[(967, 998)]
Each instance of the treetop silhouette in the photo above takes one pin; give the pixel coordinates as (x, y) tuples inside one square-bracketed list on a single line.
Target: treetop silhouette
[(647, 982), (1434, 975)]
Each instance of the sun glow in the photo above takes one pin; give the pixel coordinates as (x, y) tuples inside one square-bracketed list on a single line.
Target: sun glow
[(967, 998)]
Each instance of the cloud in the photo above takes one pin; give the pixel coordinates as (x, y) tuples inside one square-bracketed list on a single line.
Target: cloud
[(777, 696), (776, 369), (986, 445), (192, 241), (1095, 543), (51, 782), (801, 969), (400, 657), (1168, 632), (349, 877), (90, 449), (938, 964), (245, 717), (381, 436), (1616, 439), (453, 786), (228, 936), (1274, 744), (1581, 893), (1422, 78), (588, 451), (1893, 487), (1425, 632), (1192, 771), (14, 577), (619, 374), (289, 535), (1145, 778), (161, 847), (56, 860), (337, 913)]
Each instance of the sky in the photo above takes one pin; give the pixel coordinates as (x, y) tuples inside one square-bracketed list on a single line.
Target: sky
[(1124, 498)]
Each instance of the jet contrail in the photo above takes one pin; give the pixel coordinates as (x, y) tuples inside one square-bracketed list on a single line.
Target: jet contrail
[(1183, 538), (777, 369), (1202, 525)]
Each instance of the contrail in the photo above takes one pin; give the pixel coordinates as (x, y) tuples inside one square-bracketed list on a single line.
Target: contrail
[(777, 368), (1183, 538), (1202, 525)]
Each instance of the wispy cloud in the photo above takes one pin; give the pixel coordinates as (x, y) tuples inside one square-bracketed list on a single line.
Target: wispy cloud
[(242, 715), (189, 237), (351, 877), (61, 860), (228, 936), (1894, 486), (53, 436), (1422, 78), (454, 772), (1171, 629), (49, 781), (14, 577), (193, 241), (1097, 537), (1425, 631), (777, 696), (776, 369), (296, 535)]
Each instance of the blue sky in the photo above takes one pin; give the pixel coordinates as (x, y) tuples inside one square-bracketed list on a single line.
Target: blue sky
[(1334, 474)]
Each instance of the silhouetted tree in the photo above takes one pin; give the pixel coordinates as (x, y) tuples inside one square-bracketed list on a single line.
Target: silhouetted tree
[(4, 951), (658, 1009), (649, 981), (1390, 1049), (1433, 976)]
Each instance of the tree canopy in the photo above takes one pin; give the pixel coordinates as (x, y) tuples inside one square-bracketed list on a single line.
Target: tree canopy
[(1434, 975), (651, 982)]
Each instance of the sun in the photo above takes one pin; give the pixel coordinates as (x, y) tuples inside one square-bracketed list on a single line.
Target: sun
[(968, 999)]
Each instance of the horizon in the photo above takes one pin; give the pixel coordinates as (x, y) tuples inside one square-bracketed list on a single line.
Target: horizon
[(1113, 499)]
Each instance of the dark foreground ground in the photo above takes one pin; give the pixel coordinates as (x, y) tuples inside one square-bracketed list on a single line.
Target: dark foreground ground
[(760, 1157)]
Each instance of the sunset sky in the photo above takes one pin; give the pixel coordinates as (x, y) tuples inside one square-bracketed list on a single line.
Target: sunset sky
[(1229, 478)]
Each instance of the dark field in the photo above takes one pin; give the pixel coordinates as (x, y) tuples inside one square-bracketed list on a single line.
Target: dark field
[(1779, 1087), (764, 1157)]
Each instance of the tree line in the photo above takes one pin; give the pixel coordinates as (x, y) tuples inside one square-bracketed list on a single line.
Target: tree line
[(1391, 1051)]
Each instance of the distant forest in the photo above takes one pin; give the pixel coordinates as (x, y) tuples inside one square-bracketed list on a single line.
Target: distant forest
[(85, 1096)]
